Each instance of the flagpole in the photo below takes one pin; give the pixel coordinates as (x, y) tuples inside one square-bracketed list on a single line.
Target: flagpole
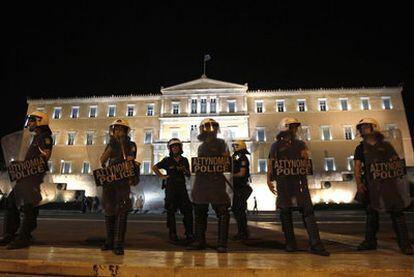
[(204, 66)]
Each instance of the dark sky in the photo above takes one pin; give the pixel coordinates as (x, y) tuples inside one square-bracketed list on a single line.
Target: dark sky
[(103, 49)]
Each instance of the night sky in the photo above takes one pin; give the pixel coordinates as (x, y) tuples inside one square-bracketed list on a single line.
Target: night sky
[(103, 49)]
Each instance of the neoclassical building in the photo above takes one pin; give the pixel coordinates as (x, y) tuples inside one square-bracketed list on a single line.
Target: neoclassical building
[(328, 116)]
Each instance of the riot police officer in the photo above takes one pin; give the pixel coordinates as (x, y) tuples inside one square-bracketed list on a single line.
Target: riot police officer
[(210, 188), (115, 197), (25, 196), (379, 194), (241, 188), (292, 190), (176, 196)]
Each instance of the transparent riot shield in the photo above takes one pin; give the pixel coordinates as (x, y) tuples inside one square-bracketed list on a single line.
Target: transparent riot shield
[(386, 173)]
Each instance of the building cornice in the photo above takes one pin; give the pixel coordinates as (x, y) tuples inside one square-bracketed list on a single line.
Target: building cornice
[(328, 91), (96, 99)]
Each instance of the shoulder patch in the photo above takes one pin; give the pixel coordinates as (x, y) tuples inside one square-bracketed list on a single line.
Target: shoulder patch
[(48, 141)]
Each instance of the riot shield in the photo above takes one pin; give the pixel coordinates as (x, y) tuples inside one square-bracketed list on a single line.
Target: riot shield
[(113, 173), (387, 183)]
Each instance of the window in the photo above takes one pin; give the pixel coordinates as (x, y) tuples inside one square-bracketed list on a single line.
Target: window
[(111, 110), (365, 103), (301, 105), (262, 165), (386, 103), (130, 110), (175, 108), (106, 138), (193, 106), (40, 109), (66, 167), (89, 138), (259, 106), (349, 134), (146, 166), (93, 111), (350, 163), (213, 106), (330, 164), (57, 112), (150, 109), (344, 104), (50, 166), (306, 132), (326, 132), (86, 168), (71, 138), (392, 130), (231, 105), (54, 138), (280, 106), (203, 105), (74, 113), (229, 133), (148, 137), (132, 134), (260, 134), (323, 105), (193, 132)]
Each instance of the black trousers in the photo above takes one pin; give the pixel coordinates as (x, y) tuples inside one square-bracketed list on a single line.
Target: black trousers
[(176, 198), (12, 222)]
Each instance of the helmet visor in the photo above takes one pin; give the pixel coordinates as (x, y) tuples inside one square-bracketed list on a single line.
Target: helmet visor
[(30, 118), (211, 126)]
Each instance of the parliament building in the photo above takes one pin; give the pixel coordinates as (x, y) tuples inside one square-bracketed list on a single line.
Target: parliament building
[(328, 116)]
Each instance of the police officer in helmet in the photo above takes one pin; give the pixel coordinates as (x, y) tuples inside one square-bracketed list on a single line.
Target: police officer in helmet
[(25, 196), (115, 197), (241, 188), (176, 196), (210, 188), (383, 194), (292, 190)]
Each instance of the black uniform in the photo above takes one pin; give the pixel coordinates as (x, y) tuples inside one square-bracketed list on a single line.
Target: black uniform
[(115, 197), (293, 192), (25, 196), (383, 195), (241, 192), (210, 188), (176, 196)]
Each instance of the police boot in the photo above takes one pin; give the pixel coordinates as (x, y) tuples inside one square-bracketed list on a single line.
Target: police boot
[(10, 225), (120, 230), (244, 230), (401, 231), (237, 217), (316, 245), (288, 231), (23, 239), (371, 229), (223, 232), (200, 233), (188, 226), (172, 233), (110, 233)]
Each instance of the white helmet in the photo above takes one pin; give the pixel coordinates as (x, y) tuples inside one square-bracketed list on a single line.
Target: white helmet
[(373, 122), (209, 125), (119, 122), (39, 117), (286, 122), (239, 145), (174, 141)]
